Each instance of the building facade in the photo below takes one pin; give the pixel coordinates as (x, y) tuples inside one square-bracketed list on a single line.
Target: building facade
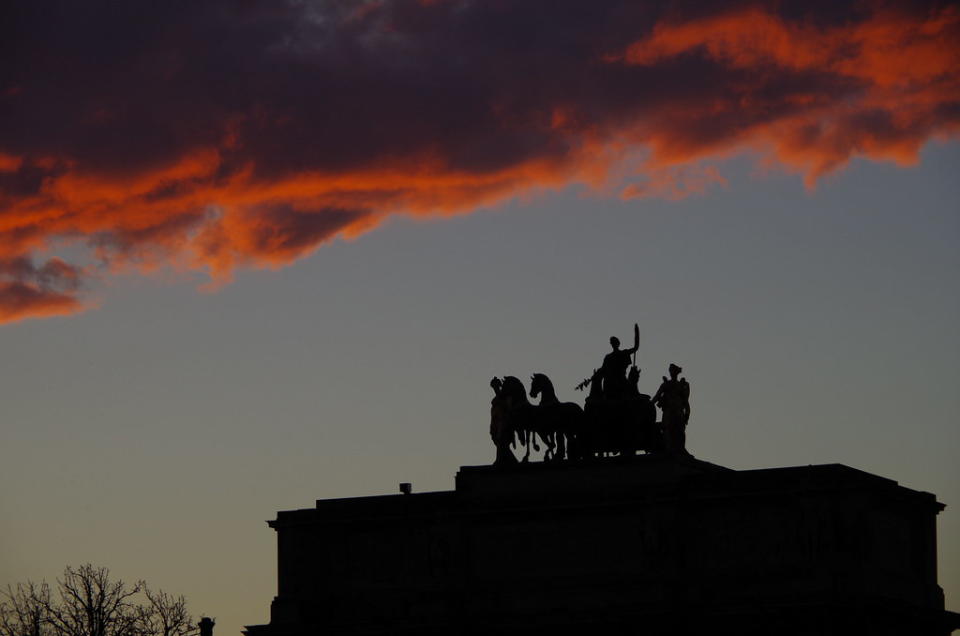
[(647, 545)]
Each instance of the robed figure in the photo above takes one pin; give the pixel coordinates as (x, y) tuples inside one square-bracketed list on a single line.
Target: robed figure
[(501, 431), (673, 398)]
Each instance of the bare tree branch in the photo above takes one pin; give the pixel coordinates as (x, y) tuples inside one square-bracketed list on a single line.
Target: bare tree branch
[(87, 603), (21, 612)]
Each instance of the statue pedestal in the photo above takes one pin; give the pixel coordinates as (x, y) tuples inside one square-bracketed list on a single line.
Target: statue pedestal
[(573, 480)]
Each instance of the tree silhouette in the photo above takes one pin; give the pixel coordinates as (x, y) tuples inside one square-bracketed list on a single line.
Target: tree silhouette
[(86, 602)]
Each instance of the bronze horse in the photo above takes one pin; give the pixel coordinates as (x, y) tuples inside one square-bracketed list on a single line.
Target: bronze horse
[(525, 419), (560, 420)]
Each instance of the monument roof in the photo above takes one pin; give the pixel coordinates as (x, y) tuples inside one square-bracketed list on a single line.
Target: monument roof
[(615, 481)]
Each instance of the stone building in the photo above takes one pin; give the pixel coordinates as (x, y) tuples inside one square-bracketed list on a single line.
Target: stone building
[(649, 545)]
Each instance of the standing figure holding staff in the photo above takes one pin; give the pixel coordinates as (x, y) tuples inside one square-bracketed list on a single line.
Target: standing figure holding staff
[(615, 363)]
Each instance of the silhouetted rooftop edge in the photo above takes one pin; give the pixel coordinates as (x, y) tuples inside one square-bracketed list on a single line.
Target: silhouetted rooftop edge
[(642, 476)]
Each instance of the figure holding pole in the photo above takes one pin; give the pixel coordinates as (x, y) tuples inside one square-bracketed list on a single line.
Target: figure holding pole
[(615, 363)]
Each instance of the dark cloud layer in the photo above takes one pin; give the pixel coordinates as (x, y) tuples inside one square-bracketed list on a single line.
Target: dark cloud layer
[(216, 135)]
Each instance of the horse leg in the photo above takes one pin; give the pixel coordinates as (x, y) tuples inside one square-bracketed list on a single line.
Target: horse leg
[(546, 443), (561, 445), (551, 447)]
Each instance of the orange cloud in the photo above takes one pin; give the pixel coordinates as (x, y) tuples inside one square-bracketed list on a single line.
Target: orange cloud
[(674, 182), (30, 291), (311, 122), (19, 301), (902, 70)]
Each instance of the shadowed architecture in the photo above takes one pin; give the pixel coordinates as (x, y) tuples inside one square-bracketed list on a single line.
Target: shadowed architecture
[(652, 544)]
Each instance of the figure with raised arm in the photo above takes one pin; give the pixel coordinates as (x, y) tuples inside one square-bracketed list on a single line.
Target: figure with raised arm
[(615, 363), (673, 398)]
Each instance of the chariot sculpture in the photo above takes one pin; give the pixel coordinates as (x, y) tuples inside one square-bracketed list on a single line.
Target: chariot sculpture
[(616, 418)]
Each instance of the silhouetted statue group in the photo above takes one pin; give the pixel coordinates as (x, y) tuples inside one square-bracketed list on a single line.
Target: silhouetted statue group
[(615, 419)]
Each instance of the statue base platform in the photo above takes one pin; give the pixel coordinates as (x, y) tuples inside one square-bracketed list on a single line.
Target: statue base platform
[(603, 476)]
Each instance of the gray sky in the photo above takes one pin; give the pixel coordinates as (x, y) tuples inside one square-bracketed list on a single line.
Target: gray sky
[(156, 434)]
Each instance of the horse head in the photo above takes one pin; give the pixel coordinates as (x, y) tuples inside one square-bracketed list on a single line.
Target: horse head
[(513, 389), (538, 383)]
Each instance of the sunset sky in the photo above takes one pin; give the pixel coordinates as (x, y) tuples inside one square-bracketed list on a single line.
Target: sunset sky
[(256, 253)]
